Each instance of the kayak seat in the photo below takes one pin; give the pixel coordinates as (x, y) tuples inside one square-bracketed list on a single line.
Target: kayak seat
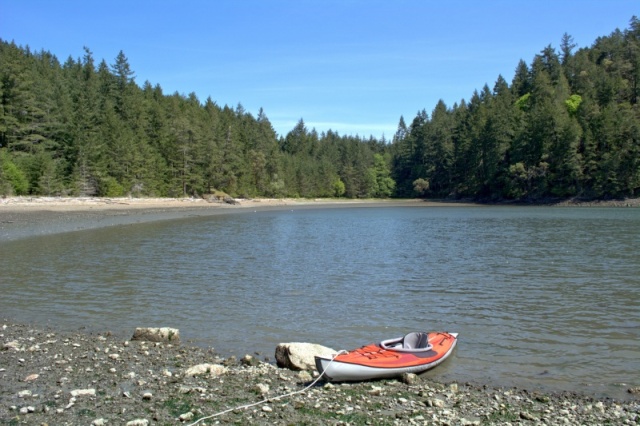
[(416, 340)]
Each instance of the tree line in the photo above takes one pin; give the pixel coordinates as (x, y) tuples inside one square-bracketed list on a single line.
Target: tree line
[(567, 125), (81, 128)]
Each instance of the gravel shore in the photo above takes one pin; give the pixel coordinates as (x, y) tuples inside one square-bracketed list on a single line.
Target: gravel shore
[(51, 377)]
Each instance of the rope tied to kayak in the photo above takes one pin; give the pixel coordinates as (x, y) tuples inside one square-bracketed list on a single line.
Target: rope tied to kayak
[(276, 398)]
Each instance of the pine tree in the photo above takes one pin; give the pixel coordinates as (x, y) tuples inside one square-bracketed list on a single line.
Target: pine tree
[(496, 139), (438, 152)]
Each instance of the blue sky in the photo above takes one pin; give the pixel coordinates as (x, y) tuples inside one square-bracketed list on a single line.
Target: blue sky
[(348, 65)]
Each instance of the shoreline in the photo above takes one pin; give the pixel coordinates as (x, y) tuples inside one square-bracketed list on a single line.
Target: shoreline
[(22, 217), (74, 204), (90, 203), (57, 377)]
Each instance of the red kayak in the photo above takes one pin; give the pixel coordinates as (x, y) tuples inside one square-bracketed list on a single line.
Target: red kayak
[(414, 353)]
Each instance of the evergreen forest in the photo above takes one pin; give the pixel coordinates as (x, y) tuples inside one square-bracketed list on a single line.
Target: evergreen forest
[(567, 125)]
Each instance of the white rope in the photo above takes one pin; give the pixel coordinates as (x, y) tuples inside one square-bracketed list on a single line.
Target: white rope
[(244, 407)]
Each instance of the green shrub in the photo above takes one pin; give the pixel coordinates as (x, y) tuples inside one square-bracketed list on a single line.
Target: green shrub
[(573, 103), (111, 188), (15, 178)]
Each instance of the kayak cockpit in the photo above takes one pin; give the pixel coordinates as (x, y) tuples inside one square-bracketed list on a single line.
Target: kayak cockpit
[(412, 342)]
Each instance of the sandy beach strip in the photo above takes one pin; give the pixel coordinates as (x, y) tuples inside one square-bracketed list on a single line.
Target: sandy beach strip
[(23, 204), (22, 217)]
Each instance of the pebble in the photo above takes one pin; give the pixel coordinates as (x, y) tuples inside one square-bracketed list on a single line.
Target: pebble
[(210, 369), (375, 391), (24, 394), (304, 376), (262, 389), (14, 345), (138, 422), (435, 403), (83, 392), (409, 378), (186, 416)]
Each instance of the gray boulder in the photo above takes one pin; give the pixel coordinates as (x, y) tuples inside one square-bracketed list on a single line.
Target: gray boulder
[(300, 356)]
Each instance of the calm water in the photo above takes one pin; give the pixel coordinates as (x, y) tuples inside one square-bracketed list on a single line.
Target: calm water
[(542, 297)]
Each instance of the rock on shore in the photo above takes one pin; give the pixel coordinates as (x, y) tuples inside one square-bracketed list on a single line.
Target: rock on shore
[(57, 378), (155, 334), (300, 356)]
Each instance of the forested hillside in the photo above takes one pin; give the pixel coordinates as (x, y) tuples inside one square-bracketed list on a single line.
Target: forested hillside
[(567, 125), (85, 129)]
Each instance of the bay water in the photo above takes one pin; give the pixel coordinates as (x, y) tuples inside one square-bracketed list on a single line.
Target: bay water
[(542, 297)]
